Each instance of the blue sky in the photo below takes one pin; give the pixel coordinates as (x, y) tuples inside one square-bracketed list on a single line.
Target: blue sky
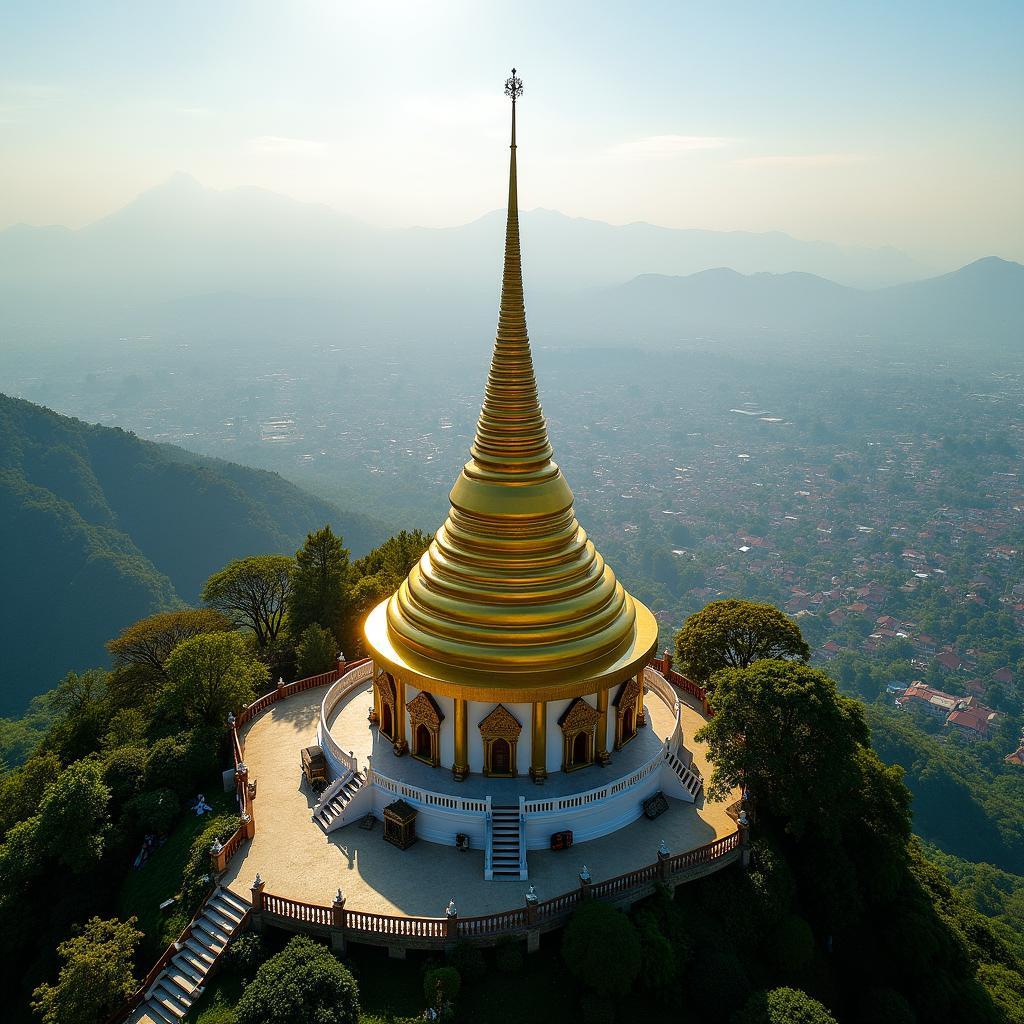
[(894, 123)]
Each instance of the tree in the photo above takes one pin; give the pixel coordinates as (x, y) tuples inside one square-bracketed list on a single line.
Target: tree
[(96, 975), (316, 652), (783, 1006), (784, 730), (213, 674), (302, 983), (148, 643), (601, 948), (319, 586), (735, 634), (252, 592), (73, 817)]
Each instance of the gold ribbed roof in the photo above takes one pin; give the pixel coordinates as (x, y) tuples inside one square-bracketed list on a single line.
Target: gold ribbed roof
[(511, 597)]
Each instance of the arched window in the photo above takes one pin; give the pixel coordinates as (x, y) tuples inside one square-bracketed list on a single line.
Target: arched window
[(425, 718), (500, 732), (578, 722), (626, 703)]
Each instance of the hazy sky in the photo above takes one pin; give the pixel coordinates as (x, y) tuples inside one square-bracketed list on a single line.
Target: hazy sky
[(898, 123)]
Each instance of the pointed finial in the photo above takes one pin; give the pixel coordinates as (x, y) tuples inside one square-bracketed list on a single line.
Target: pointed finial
[(514, 86)]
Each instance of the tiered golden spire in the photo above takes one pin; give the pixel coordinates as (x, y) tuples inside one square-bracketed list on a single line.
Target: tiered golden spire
[(511, 597)]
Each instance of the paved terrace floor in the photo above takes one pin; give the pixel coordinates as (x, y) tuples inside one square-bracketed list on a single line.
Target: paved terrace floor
[(297, 860)]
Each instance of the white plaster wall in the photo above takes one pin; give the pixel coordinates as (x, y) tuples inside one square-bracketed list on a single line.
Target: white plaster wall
[(524, 715), (437, 825), (410, 693), (447, 751), (475, 713), (553, 753)]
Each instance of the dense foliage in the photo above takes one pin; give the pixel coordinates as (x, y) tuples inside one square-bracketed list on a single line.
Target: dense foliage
[(303, 984), (735, 634)]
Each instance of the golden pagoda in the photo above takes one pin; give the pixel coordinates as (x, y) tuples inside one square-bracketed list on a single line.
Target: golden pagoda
[(511, 613)]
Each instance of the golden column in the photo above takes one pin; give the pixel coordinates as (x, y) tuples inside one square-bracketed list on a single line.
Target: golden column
[(460, 769), (401, 743), (641, 714), (601, 739), (539, 733)]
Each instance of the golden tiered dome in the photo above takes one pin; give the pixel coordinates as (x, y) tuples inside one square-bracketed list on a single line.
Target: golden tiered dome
[(511, 601)]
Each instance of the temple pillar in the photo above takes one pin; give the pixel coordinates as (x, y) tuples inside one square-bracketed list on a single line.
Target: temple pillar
[(460, 769), (401, 740), (539, 740), (601, 739), (641, 716)]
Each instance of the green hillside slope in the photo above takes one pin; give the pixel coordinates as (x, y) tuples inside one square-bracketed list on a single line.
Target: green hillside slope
[(100, 528)]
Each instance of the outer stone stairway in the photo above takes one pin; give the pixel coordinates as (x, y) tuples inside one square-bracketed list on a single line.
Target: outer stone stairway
[(506, 839), (688, 775), (330, 811), (181, 981)]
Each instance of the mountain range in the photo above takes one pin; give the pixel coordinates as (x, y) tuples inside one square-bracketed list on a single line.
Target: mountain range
[(102, 528)]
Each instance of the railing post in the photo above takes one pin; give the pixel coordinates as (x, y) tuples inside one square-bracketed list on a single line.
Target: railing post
[(666, 664), (249, 824), (451, 922), (338, 923), (663, 861), (585, 883), (256, 897), (218, 859)]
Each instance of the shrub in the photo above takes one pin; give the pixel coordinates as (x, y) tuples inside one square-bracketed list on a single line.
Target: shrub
[(441, 986), (508, 955), (246, 953), (124, 768), (601, 948), (154, 812), (302, 984), (197, 867), (597, 1009), (183, 762), (659, 958), (468, 960), (885, 1006), (316, 651), (783, 1006), (791, 945), (95, 976)]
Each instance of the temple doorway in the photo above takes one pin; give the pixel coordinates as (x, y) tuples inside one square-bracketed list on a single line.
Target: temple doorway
[(424, 746), (385, 721), (628, 724), (501, 759), (579, 749)]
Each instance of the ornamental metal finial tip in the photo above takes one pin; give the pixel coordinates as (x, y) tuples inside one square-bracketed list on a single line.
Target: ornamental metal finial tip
[(514, 86)]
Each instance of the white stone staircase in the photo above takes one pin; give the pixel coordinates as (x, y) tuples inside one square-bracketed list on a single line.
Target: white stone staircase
[(688, 775), (181, 982), (342, 801), (507, 858)]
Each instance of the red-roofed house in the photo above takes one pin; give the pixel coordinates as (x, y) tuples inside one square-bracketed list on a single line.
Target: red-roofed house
[(972, 719)]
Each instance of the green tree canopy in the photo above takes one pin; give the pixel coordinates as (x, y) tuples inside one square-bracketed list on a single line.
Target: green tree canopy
[(252, 593), (601, 948), (783, 1006), (784, 730), (303, 983), (96, 975), (316, 651), (148, 643), (213, 674), (735, 634), (319, 585)]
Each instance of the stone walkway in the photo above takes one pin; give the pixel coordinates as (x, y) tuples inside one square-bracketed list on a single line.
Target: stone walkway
[(298, 861)]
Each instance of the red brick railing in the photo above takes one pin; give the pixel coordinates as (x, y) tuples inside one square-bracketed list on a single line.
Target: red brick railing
[(664, 665), (389, 929)]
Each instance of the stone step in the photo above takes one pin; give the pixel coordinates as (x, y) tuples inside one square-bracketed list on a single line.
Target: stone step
[(201, 953), (162, 998), (188, 968), (182, 979), (169, 985), (159, 1013), (226, 910), (225, 923), (213, 935), (239, 903)]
